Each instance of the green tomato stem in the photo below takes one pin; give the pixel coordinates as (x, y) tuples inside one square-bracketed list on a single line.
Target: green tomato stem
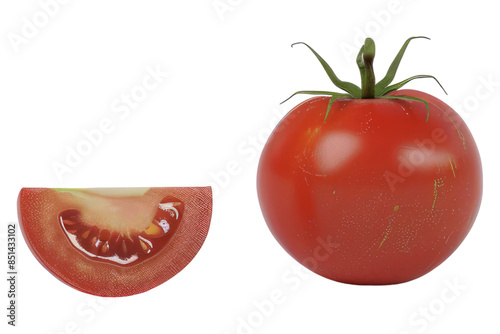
[(365, 63)]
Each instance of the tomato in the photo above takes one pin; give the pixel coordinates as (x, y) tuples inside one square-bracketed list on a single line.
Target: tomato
[(114, 241), (382, 191)]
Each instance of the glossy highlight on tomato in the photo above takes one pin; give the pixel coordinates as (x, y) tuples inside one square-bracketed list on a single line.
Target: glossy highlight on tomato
[(371, 191), (115, 241)]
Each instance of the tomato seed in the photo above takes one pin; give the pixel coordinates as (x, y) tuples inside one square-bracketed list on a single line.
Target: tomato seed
[(93, 246), (104, 248), (154, 231), (144, 246), (68, 222)]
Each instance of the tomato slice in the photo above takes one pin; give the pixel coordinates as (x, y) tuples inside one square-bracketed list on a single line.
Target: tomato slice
[(115, 241)]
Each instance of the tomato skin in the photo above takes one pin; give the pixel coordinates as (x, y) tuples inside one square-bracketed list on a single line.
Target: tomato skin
[(374, 194)]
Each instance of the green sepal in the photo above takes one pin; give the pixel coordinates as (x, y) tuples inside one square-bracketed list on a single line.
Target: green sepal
[(407, 97), (311, 92), (350, 88), (368, 87), (332, 99), (391, 73), (397, 86)]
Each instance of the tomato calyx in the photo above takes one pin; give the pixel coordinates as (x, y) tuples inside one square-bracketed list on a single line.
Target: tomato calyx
[(369, 89)]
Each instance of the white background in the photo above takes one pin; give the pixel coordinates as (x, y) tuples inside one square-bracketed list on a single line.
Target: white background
[(228, 70)]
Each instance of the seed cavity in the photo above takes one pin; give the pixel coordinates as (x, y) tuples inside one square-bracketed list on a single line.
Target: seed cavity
[(123, 248)]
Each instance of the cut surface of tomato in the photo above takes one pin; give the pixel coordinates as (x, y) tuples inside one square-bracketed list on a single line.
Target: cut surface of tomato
[(115, 241)]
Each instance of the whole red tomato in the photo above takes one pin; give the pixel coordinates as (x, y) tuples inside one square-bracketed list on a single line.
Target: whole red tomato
[(380, 191)]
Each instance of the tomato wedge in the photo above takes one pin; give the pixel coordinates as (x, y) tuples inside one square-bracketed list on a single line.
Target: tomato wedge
[(115, 241)]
